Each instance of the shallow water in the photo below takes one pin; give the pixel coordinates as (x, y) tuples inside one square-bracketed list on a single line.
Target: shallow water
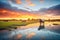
[(31, 32)]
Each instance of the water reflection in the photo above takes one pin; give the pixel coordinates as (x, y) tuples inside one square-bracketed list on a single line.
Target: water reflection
[(30, 32), (30, 35)]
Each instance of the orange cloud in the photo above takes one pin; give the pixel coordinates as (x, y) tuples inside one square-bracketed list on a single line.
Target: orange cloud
[(18, 2), (30, 3), (4, 13)]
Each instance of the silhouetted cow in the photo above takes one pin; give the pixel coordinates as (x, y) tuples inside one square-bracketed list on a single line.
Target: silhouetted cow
[(41, 24)]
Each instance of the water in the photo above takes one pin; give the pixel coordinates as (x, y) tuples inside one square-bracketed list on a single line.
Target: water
[(30, 32)]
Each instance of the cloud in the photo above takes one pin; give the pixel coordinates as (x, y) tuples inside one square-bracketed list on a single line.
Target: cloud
[(18, 2), (41, 1), (54, 10), (29, 3), (14, 1), (4, 5)]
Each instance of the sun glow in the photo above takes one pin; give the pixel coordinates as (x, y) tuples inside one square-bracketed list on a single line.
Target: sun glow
[(7, 14)]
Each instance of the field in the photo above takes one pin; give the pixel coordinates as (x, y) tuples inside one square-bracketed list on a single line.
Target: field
[(4, 24)]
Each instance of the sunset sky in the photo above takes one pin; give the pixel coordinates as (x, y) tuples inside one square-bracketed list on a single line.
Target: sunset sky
[(25, 5)]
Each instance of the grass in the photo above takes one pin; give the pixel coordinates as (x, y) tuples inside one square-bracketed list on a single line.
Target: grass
[(13, 23), (6, 24)]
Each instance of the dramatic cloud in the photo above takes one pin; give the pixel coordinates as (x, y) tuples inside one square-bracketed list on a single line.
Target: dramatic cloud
[(4, 5), (6, 13), (54, 10), (14, 12)]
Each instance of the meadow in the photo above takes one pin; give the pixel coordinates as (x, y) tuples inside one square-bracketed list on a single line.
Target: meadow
[(4, 24)]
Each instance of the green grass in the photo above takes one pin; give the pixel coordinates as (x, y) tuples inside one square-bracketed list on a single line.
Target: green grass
[(7, 24), (14, 23)]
